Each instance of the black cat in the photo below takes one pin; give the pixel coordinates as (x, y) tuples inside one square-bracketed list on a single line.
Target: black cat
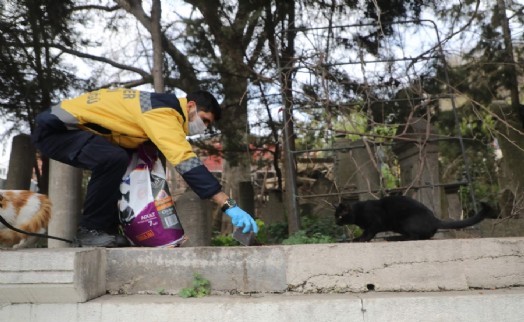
[(399, 214)]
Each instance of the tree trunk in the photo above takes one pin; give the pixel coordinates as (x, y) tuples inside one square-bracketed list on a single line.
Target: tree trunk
[(510, 64), (287, 71), (511, 143), (158, 51)]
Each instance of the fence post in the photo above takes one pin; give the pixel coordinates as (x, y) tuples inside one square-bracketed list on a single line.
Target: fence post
[(195, 217), (21, 163), (65, 192), (419, 168)]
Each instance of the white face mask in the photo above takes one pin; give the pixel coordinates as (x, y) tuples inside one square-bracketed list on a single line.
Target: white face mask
[(196, 125)]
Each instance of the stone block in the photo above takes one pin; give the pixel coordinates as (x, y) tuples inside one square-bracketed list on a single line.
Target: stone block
[(235, 269), (60, 275), (422, 266)]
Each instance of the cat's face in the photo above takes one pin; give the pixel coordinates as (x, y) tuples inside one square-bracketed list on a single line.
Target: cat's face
[(344, 215)]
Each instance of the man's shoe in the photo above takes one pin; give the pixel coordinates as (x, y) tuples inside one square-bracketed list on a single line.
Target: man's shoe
[(94, 238), (122, 241)]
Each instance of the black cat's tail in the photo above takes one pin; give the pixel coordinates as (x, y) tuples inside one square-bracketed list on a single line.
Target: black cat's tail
[(486, 212)]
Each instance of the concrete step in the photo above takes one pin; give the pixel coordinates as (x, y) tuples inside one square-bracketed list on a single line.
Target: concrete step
[(414, 266), (52, 275), (77, 275), (479, 306)]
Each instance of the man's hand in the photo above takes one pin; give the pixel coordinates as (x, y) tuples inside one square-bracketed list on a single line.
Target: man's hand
[(240, 218)]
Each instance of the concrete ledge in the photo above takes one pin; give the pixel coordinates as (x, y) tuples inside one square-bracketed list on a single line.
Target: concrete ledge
[(44, 275), (478, 306), (78, 275), (433, 265), (237, 269)]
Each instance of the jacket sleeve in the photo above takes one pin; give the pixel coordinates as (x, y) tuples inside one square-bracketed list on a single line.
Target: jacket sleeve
[(198, 177), (164, 128)]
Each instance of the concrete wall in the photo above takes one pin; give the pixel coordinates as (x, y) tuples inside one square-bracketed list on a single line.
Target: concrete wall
[(432, 265)]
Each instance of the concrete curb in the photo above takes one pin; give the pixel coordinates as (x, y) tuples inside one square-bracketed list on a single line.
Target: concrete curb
[(52, 275), (478, 306), (433, 265), (71, 275)]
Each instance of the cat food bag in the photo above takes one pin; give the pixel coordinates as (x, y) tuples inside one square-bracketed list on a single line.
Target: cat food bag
[(147, 212)]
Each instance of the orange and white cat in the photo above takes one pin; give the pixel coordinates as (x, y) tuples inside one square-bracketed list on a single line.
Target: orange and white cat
[(25, 210)]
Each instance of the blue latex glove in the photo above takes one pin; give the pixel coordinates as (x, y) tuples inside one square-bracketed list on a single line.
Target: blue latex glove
[(240, 218)]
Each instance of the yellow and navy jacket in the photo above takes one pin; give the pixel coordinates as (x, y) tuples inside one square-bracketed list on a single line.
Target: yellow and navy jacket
[(130, 117)]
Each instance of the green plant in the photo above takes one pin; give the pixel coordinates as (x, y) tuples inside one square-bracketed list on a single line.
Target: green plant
[(314, 230), (262, 232), (228, 240), (224, 240), (276, 233), (201, 287), (324, 225), (301, 237), (353, 231)]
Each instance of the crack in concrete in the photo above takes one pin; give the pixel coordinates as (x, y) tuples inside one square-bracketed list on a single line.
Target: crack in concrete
[(450, 260), (313, 288), (362, 308)]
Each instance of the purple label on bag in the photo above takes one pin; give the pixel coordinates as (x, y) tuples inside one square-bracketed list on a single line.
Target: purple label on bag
[(151, 230), (146, 209)]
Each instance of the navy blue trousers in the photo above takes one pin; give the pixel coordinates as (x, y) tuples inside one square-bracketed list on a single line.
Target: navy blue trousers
[(107, 162)]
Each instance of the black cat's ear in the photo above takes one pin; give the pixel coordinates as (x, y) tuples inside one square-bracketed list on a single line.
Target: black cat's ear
[(334, 205)]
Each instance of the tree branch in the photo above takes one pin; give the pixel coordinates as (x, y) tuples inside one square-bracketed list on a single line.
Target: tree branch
[(189, 80), (95, 7), (77, 53)]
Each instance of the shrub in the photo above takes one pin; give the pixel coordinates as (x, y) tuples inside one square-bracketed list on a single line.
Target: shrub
[(201, 287)]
